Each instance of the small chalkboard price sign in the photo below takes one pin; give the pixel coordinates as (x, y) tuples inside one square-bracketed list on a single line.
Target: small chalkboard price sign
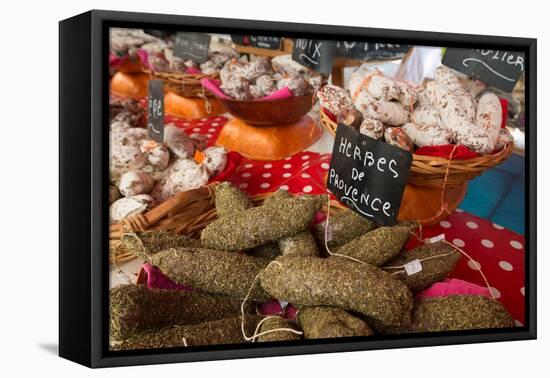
[(370, 50), (193, 46), (260, 41), (155, 110), (315, 54), (368, 175), (158, 33), (498, 68)]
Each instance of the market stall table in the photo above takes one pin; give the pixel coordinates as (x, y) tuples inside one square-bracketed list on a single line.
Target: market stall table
[(498, 252)]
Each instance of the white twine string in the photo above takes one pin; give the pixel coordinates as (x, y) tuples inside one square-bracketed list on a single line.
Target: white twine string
[(398, 267), (420, 260), (477, 265), (256, 334)]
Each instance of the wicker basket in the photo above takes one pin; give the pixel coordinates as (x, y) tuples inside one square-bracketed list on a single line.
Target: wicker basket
[(183, 84), (431, 170), (186, 213)]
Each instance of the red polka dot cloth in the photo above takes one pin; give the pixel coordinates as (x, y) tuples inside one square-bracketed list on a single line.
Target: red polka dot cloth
[(210, 127), (498, 252)]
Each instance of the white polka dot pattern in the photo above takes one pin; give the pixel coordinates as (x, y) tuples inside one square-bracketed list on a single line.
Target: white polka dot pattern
[(505, 265), (472, 225), (487, 243), (445, 224)]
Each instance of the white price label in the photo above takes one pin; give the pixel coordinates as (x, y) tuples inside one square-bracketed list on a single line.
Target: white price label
[(413, 267), (283, 304), (435, 239), (329, 232)]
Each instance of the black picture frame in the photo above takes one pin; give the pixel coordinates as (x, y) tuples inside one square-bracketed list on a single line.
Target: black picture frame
[(83, 166)]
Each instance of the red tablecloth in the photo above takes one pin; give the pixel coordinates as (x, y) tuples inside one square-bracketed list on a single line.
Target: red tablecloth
[(498, 252)]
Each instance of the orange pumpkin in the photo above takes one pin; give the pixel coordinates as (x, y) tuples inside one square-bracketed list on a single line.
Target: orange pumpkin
[(190, 107), (422, 203), (130, 65), (131, 85), (269, 142)]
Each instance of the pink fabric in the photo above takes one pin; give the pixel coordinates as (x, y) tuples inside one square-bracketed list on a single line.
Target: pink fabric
[(504, 106), (453, 286), (213, 86), (157, 280), (144, 58), (273, 307), (115, 61), (192, 70)]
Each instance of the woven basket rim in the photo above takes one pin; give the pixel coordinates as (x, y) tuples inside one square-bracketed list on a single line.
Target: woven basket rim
[(167, 216)]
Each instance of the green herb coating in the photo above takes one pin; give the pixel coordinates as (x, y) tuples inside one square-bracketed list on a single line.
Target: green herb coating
[(378, 246), (329, 322), (302, 244), (434, 269), (146, 244), (459, 312), (278, 322), (260, 225), (339, 282), (224, 331), (230, 200), (276, 196), (344, 227), (135, 308), (213, 271)]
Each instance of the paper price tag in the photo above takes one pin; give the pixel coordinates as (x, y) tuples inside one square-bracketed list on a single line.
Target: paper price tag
[(283, 305), (329, 233), (413, 267), (435, 239)]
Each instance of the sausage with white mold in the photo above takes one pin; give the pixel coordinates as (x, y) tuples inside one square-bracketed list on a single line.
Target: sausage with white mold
[(135, 182), (215, 160), (178, 142), (182, 176), (395, 136), (388, 112), (408, 94), (446, 77), (125, 153), (334, 99), (453, 116), (429, 135), (489, 117), (360, 78), (383, 88), (372, 128), (505, 137), (159, 157), (127, 206)]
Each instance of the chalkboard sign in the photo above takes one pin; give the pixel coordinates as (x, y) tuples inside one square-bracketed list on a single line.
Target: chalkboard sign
[(262, 42), (155, 110), (368, 175), (370, 50), (498, 68), (159, 33), (193, 46), (315, 54)]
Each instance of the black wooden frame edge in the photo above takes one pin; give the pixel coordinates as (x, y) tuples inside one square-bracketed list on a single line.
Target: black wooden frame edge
[(75, 286), (95, 328)]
